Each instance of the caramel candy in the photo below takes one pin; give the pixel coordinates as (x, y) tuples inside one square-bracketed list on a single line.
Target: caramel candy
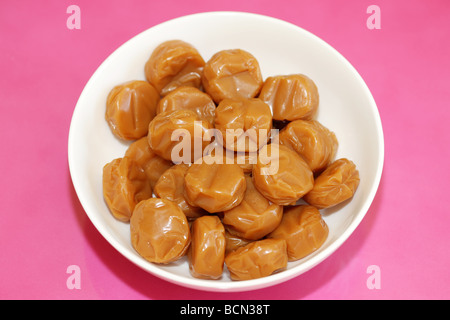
[(233, 73), (291, 97), (173, 64), (281, 175), (129, 109), (180, 129), (170, 186), (245, 124), (153, 165), (214, 187), (124, 186), (315, 143), (257, 259), (233, 241), (303, 229), (207, 251), (336, 184), (159, 231), (189, 98), (255, 216)]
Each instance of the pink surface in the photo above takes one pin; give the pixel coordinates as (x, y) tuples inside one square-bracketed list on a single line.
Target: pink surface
[(44, 229)]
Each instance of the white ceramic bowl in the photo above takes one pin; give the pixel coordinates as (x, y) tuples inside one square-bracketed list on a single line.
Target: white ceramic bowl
[(346, 107)]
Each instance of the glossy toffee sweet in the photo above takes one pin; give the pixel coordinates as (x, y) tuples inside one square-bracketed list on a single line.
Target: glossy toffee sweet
[(125, 184), (129, 109), (215, 187), (255, 216), (312, 141), (245, 124), (303, 229), (232, 74), (173, 64), (290, 180), (335, 185), (291, 97), (207, 250), (169, 128), (189, 98), (257, 259), (159, 231)]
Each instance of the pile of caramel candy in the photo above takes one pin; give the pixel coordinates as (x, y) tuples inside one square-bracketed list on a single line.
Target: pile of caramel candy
[(246, 203)]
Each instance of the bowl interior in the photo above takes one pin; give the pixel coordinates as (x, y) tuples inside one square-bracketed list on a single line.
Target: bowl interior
[(346, 107)]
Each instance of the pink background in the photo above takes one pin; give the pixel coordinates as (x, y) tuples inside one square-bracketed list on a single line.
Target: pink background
[(44, 67)]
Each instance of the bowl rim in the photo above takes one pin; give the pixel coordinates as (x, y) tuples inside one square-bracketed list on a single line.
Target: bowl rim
[(231, 286)]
